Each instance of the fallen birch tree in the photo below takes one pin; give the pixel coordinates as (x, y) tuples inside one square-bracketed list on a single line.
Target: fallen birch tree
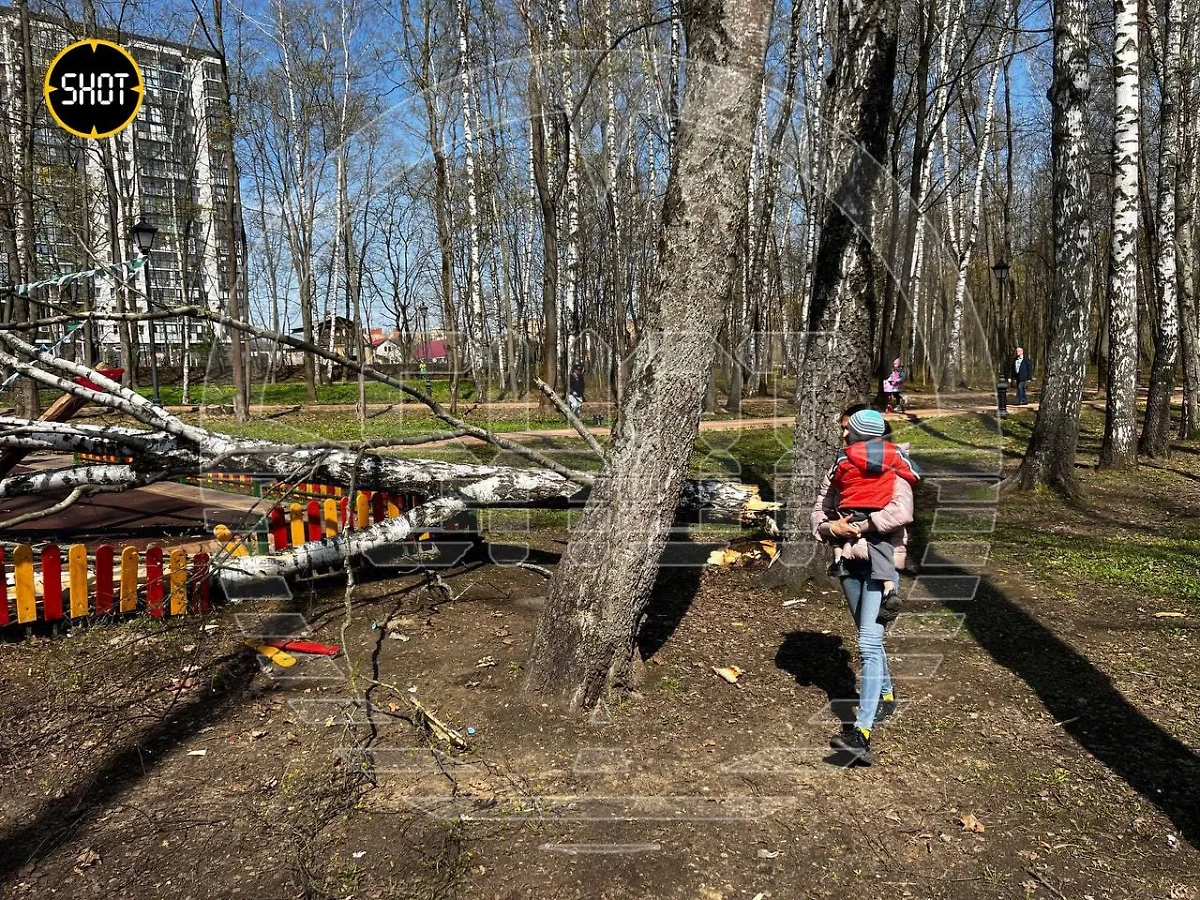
[(166, 447)]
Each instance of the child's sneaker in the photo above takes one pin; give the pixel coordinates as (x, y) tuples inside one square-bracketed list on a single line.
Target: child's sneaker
[(889, 608), (837, 569)]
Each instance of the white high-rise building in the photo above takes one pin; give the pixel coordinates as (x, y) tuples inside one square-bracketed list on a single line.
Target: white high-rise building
[(168, 168)]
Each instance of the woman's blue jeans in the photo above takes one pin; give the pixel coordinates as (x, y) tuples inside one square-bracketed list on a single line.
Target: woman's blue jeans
[(864, 594)]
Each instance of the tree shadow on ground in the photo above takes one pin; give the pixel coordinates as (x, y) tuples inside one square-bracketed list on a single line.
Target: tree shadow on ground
[(926, 426), (1077, 694), (675, 588), (140, 755), (57, 820), (821, 661)]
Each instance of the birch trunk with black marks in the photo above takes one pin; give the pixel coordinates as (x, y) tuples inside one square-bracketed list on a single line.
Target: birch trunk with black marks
[(835, 366), (1156, 427), (1119, 448), (1050, 457), (586, 636), (479, 356), (1189, 323)]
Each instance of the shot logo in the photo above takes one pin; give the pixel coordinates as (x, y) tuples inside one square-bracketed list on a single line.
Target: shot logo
[(94, 88)]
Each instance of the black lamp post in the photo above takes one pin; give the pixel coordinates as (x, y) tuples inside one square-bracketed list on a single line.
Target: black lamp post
[(1000, 269), (143, 236), (423, 313)]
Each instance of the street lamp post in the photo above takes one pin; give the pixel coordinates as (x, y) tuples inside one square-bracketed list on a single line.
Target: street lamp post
[(1000, 269), (423, 313), (143, 236)]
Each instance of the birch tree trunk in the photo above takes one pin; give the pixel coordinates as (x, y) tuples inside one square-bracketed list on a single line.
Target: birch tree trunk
[(1050, 457), (1189, 324), (1119, 449), (24, 392), (585, 640), (571, 142), (479, 356), (835, 366), (1156, 427)]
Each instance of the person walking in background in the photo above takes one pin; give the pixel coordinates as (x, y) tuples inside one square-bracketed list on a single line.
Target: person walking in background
[(1023, 372), (893, 386), (575, 395)]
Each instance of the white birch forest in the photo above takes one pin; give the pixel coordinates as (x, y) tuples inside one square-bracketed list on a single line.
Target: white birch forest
[(497, 170), (696, 202)]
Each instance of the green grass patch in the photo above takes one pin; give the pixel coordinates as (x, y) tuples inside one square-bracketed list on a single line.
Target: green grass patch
[(295, 393), (1161, 567)]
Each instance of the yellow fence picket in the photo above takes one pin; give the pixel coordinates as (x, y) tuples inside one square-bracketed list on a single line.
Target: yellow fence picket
[(178, 581), (77, 569), (393, 508), (362, 510), (296, 519), (330, 514), (23, 581), (223, 534), (129, 579)]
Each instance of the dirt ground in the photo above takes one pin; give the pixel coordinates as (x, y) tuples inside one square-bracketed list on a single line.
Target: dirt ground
[(1046, 743)]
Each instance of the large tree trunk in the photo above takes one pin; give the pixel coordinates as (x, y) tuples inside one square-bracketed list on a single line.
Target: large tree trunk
[(586, 636), (1050, 458), (1119, 449), (839, 348), (479, 355), (1189, 324), (1156, 428)]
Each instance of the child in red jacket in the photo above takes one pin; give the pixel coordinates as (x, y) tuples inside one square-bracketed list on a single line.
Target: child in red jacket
[(864, 477)]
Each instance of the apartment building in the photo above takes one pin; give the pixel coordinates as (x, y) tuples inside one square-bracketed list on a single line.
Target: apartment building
[(168, 168)]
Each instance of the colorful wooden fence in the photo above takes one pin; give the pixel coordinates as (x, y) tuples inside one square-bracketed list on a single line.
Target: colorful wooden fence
[(295, 523), (160, 582)]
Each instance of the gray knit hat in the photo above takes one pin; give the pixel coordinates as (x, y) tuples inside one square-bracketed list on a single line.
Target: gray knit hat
[(866, 424)]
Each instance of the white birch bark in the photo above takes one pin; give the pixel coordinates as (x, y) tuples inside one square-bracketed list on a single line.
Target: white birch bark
[(1119, 448), (476, 316), (571, 281), (1155, 438), (1050, 457), (1189, 321)]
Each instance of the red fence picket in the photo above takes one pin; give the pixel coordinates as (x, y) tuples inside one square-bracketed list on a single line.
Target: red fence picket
[(104, 580), (279, 529), (315, 531), (154, 582), (52, 592)]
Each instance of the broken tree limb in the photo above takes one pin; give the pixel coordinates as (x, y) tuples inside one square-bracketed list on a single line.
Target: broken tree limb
[(704, 500), (136, 406), (588, 437), (68, 479), (333, 551)]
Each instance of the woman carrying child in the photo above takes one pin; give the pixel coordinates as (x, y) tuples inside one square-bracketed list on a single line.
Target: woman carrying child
[(864, 591)]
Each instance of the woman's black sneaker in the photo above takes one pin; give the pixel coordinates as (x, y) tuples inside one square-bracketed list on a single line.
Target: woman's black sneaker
[(885, 709), (854, 742), (889, 608)]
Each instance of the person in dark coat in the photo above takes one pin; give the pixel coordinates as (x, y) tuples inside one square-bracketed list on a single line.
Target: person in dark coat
[(575, 390), (1023, 372)]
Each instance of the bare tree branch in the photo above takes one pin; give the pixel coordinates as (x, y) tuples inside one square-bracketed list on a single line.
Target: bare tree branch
[(588, 437)]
